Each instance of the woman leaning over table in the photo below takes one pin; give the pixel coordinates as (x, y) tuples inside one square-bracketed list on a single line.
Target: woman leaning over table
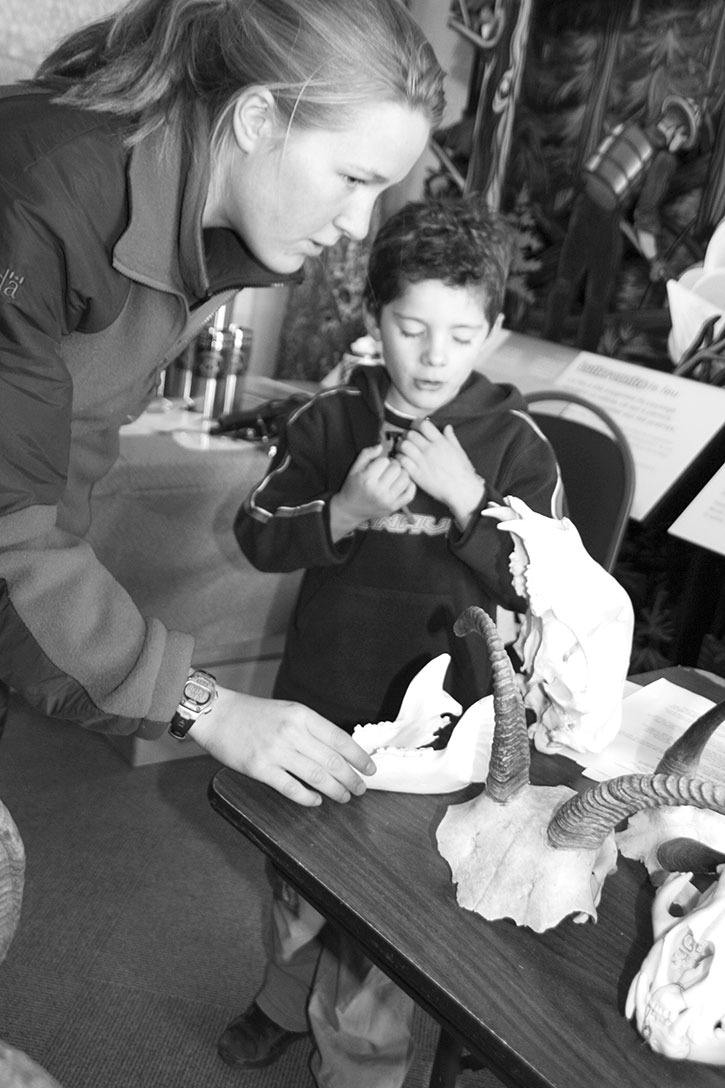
[(161, 160)]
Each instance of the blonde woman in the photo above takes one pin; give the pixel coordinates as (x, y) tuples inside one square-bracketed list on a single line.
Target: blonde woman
[(161, 160)]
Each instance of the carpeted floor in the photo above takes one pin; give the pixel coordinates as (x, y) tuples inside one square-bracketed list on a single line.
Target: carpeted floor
[(140, 930)]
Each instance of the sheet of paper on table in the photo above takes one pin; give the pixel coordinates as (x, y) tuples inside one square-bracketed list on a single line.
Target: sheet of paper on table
[(656, 411), (652, 718), (703, 521)]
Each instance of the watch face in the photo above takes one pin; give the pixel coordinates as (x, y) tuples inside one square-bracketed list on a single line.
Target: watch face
[(199, 693)]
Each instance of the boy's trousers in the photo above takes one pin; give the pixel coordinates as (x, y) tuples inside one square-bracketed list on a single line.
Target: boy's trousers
[(360, 1020)]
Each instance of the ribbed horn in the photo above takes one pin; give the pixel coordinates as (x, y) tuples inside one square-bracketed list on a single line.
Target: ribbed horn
[(584, 821), (508, 768), (684, 855), (683, 755)]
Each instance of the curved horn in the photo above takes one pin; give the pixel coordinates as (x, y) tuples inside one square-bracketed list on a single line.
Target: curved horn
[(584, 821), (508, 768), (683, 755), (683, 855)]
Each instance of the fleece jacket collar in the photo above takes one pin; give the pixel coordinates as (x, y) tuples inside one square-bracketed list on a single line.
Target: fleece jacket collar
[(164, 245), (476, 398)]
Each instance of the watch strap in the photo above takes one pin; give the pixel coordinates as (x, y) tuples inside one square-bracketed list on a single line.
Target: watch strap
[(179, 725)]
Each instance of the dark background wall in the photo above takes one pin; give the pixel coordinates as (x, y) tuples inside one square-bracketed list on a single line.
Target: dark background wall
[(590, 66)]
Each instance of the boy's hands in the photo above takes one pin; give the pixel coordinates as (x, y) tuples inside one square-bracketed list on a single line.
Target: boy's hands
[(427, 458), (375, 485), (437, 463)]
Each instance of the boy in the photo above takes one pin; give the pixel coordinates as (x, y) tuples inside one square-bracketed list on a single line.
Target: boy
[(377, 491)]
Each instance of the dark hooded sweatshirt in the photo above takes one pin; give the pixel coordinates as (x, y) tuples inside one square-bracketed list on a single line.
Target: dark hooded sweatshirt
[(378, 604)]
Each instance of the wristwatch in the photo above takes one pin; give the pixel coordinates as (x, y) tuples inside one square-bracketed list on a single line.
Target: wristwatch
[(199, 696)]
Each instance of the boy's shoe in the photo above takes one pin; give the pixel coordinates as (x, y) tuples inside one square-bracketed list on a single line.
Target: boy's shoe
[(253, 1040)]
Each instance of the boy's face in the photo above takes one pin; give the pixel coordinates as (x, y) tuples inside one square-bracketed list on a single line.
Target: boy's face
[(431, 337)]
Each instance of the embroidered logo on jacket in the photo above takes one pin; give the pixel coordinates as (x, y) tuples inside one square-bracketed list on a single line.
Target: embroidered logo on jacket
[(10, 283), (413, 524)]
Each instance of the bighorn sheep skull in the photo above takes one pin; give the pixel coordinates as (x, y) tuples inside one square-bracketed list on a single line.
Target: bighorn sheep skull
[(680, 839), (537, 854)]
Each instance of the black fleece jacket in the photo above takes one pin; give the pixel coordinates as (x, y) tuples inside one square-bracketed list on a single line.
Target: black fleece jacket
[(378, 604)]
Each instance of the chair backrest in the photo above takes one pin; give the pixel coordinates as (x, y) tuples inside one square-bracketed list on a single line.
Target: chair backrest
[(597, 470)]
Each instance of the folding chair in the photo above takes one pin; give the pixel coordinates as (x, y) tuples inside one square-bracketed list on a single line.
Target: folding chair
[(597, 469)]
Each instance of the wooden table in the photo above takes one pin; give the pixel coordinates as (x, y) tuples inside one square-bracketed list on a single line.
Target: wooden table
[(544, 1010)]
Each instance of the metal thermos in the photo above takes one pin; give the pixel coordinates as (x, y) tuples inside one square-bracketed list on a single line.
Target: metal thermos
[(209, 364), (185, 372), (206, 374), (237, 347)]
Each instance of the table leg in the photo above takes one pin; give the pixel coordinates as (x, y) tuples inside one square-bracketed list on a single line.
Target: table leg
[(447, 1062)]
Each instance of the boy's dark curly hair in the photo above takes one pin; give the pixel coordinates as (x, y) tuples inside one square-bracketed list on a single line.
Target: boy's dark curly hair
[(456, 240)]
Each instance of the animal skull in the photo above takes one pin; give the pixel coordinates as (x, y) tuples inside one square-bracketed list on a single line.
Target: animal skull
[(575, 645), (537, 854), (575, 641), (678, 995), (404, 764), (496, 845), (684, 838)]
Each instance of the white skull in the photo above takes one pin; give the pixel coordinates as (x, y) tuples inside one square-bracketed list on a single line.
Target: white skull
[(678, 995), (404, 763), (575, 641)]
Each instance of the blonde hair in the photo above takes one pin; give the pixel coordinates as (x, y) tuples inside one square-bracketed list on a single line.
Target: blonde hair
[(157, 62)]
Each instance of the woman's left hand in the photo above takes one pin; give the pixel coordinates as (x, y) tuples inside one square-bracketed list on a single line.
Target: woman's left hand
[(437, 462), (287, 745)]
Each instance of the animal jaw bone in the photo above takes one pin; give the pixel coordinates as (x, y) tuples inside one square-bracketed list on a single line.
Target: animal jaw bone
[(403, 764), (576, 639), (537, 854), (575, 668), (681, 839), (678, 996)]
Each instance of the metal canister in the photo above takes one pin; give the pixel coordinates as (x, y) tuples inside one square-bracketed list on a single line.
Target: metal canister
[(208, 367), (236, 353)]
